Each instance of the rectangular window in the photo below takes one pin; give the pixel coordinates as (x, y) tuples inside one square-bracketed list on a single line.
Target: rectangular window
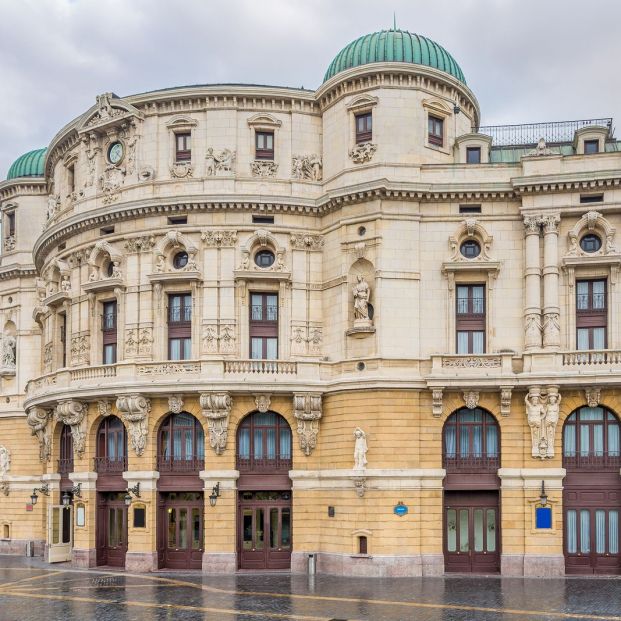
[(109, 334), (435, 128), (364, 127), (585, 199), (473, 155), (71, 178), (591, 146), (62, 325), (10, 224), (262, 219), (264, 145), (183, 147), (180, 326), (470, 319), (591, 314), (470, 209), (264, 326)]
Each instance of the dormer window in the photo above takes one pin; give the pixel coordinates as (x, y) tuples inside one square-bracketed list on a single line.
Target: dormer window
[(473, 155), (591, 146), (435, 128), (183, 147), (364, 127), (264, 143)]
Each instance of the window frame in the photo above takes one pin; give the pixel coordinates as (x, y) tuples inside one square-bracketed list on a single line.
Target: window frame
[(591, 317), (185, 154), (433, 138), (365, 135), (470, 322), (263, 329), (264, 153), (109, 334), (180, 329), (589, 143), (470, 150)]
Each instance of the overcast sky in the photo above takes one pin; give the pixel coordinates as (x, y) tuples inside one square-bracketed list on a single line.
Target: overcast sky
[(525, 60)]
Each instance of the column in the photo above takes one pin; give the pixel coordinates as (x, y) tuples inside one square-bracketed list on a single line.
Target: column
[(532, 275), (551, 309)]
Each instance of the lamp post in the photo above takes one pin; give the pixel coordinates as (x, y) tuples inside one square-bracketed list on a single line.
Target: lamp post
[(44, 489), (135, 490), (215, 494), (543, 497)]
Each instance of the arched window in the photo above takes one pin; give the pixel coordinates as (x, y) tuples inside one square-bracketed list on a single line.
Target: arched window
[(264, 443), (181, 446), (111, 446), (471, 441), (591, 439), (65, 461)]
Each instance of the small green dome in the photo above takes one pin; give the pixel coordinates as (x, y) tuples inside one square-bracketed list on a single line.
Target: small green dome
[(394, 46), (28, 165)]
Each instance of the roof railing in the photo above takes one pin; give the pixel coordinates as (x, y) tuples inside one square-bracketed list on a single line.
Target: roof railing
[(529, 134)]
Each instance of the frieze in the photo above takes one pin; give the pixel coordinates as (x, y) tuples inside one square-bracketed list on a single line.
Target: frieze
[(306, 241), (307, 167), (263, 168), (140, 244), (168, 369), (219, 239), (471, 362), (362, 153)]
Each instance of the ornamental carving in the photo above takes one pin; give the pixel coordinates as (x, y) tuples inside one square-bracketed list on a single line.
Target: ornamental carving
[(541, 150), (437, 406), (5, 461), (308, 411), (38, 420), (9, 243), (5, 488), (306, 341), (181, 170), (8, 350), (222, 341), (306, 241), (175, 404), (470, 229), (222, 162), (532, 330), (105, 111), (92, 149), (593, 396), (105, 407), (80, 349), (140, 244), (360, 449), (307, 167), (505, 400), (146, 173), (111, 181), (73, 413), (135, 410), (471, 362), (138, 341), (216, 408), (263, 168), (592, 221), (168, 369), (471, 399), (542, 414), (219, 239), (362, 153), (263, 402), (550, 223), (360, 485), (361, 293), (551, 330)]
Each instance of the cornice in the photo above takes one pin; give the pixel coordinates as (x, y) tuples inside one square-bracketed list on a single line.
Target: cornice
[(566, 182), (15, 270), (23, 186)]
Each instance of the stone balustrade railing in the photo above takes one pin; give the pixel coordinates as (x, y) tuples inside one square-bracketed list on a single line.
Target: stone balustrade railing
[(592, 357), (266, 367)]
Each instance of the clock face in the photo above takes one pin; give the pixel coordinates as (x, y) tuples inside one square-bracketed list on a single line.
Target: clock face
[(115, 152)]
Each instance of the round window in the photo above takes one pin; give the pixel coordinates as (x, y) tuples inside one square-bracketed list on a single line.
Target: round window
[(590, 243), (264, 258), (180, 260), (470, 249)]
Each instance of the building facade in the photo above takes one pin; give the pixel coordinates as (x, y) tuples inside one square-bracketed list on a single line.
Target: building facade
[(245, 324)]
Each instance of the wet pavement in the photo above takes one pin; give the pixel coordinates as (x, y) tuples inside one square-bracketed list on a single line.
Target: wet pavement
[(31, 590)]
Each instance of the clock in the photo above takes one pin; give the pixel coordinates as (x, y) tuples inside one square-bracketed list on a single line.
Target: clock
[(115, 152)]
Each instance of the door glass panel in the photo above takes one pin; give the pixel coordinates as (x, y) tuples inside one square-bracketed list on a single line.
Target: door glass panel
[(273, 528), (172, 528), (183, 528), (285, 528), (55, 525), (491, 530), (478, 530), (613, 532), (66, 524), (259, 530), (463, 531), (247, 526), (114, 528), (451, 530), (196, 529), (585, 531), (572, 532), (600, 531)]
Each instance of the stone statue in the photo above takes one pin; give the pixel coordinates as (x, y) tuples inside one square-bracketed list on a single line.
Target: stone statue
[(8, 351), (5, 460), (535, 414), (362, 293), (210, 166), (551, 419), (360, 449), (542, 413)]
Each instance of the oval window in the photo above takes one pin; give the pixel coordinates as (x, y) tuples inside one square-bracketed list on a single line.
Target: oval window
[(470, 249), (180, 260), (590, 243), (264, 258), (110, 269)]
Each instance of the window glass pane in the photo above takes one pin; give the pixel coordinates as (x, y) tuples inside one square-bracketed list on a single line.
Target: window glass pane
[(569, 444), (285, 528), (599, 297), (583, 339), (491, 530), (66, 530), (462, 343), (259, 530), (478, 339), (271, 349), (196, 529), (492, 441), (183, 528), (613, 532), (478, 530), (585, 531), (285, 444), (600, 531), (177, 444), (598, 440), (200, 442), (584, 440), (172, 528), (613, 439), (269, 141), (109, 354), (451, 530), (55, 525), (247, 529), (464, 442), (463, 531), (582, 295), (257, 307), (572, 532), (174, 346), (271, 443), (591, 413), (256, 352), (187, 349), (272, 307), (258, 444), (477, 441), (462, 300), (449, 440), (273, 528), (599, 338)]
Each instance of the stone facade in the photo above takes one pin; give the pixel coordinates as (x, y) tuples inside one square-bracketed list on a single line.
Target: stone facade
[(393, 216)]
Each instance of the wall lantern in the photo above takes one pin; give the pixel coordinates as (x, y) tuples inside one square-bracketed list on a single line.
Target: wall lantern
[(75, 491), (215, 494), (44, 489), (543, 497), (132, 490)]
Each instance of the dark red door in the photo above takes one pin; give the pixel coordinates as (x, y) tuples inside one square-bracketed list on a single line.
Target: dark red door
[(111, 529), (471, 532), (264, 523), (181, 530), (592, 531)]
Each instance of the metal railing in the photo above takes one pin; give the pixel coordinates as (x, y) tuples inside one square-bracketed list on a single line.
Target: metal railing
[(528, 134), (65, 466), (170, 464), (471, 463), (254, 464), (592, 462), (110, 465)]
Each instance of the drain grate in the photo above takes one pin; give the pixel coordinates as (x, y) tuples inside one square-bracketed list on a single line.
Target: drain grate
[(105, 581)]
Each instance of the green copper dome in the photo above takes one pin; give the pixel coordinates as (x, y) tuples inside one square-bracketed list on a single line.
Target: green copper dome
[(28, 165), (394, 46)]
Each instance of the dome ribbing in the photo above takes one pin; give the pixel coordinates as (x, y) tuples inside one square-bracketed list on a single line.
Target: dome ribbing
[(28, 165)]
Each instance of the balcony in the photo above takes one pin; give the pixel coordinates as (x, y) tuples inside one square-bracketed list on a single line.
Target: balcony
[(472, 366), (108, 465), (264, 465), (592, 358), (471, 464), (261, 367), (65, 466), (606, 461), (170, 464)]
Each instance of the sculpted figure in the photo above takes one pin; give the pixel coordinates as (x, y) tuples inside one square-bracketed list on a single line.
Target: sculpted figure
[(210, 166), (5, 460), (360, 449), (535, 416), (361, 298), (8, 350), (551, 419)]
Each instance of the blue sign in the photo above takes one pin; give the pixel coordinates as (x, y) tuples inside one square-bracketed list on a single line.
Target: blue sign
[(543, 517), (400, 509)]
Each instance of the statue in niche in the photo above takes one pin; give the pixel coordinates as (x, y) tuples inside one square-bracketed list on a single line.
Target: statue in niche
[(362, 292), (360, 449), (8, 351)]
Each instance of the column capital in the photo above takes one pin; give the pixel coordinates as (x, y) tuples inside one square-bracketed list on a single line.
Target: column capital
[(532, 224), (550, 223)]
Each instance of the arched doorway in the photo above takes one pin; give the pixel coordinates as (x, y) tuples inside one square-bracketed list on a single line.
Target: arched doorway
[(60, 516), (264, 507), (110, 463), (180, 458), (471, 457), (592, 492)]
